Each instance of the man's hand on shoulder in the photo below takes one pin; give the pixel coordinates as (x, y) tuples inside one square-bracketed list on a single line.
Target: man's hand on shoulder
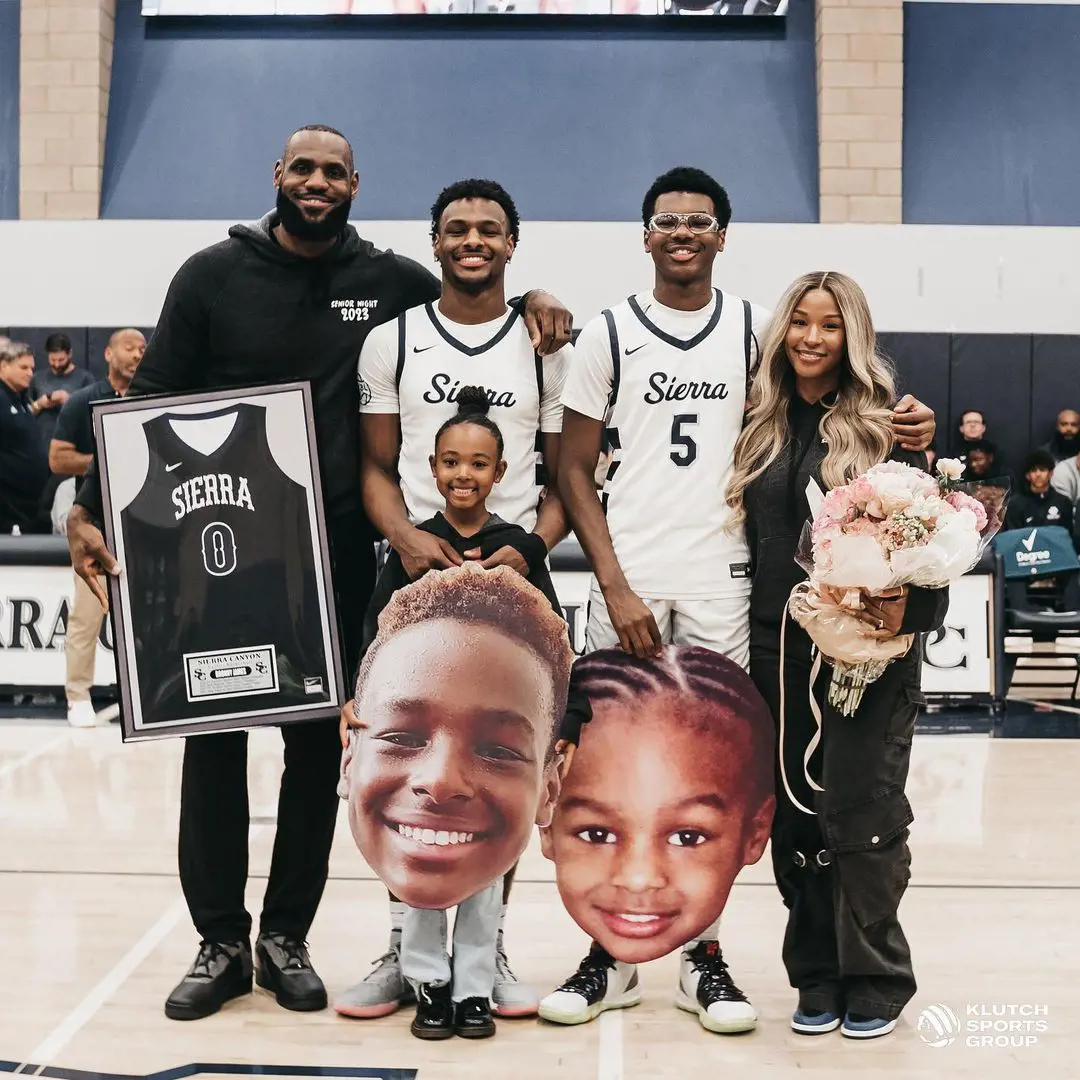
[(420, 552), (913, 424), (549, 322)]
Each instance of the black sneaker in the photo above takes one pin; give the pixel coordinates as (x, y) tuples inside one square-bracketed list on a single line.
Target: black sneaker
[(285, 971), (434, 1012), (601, 982), (221, 972), (472, 1018), (706, 988)]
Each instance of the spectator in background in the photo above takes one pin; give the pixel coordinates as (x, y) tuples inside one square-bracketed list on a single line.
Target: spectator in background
[(1066, 440), (971, 428), (56, 383), (982, 461), (1036, 502), (1066, 479), (70, 454), (24, 464)]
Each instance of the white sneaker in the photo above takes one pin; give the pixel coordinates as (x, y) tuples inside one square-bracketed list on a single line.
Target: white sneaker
[(510, 997), (706, 988), (81, 714), (600, 983)]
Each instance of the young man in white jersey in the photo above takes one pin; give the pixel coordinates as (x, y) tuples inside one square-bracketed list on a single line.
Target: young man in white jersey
[(409, 374), (664, 377)]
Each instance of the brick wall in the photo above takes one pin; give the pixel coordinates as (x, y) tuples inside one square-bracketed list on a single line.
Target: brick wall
[(65, 56), (860, 63)]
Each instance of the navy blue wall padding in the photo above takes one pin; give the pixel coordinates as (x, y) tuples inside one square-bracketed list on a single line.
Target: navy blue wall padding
[(991, 95), (922, 368), (9, 108), (1055, 381), (575, 123), (992, 373), (1019, 380), (35, 337)]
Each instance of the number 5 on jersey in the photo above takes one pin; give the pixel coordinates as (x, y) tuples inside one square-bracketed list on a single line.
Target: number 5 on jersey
[(687, 452)]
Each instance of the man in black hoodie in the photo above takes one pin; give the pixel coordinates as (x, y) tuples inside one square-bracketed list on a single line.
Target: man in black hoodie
[(292, 297), (1037, 503)]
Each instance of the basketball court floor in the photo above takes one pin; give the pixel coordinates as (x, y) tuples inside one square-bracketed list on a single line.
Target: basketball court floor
[(95, 933)]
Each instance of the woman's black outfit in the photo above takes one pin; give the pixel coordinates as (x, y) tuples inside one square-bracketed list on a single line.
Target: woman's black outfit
[(842, 863)]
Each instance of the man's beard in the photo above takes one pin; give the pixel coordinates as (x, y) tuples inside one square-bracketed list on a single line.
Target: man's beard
[(295, 224), (1066, 446)]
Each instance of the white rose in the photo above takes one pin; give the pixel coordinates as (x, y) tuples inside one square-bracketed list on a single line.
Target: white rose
[(950, 468)]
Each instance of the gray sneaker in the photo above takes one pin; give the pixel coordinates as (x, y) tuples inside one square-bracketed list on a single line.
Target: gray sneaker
[(383, 991), (510, 998)]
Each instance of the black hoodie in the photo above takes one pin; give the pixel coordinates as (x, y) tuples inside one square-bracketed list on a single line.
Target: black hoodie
[(246, 312)]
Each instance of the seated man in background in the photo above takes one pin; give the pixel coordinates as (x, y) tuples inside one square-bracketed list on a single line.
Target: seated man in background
[(70, 453), (1066, 440), (1035, 502), (982, 461), (1066, 478)]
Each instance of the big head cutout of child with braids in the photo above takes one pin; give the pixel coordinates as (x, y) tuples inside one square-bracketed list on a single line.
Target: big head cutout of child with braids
[(667, 796), (459, 698)]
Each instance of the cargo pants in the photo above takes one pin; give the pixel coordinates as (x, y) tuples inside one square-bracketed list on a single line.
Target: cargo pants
[(843, 867)]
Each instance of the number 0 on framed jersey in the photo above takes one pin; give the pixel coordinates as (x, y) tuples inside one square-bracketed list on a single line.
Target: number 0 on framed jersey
[(223, 611)]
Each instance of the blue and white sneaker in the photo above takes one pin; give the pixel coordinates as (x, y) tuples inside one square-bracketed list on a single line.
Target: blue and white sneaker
[(857, 1026), (806, 1022)]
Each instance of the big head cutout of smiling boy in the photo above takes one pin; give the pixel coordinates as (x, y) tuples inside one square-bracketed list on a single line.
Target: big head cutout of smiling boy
[(458, 697), (668, 795)]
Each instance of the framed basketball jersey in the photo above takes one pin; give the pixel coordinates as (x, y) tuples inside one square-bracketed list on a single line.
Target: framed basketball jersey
[(223, 613)]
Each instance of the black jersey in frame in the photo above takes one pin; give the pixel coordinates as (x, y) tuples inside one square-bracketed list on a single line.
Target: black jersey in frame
[(221, 575)]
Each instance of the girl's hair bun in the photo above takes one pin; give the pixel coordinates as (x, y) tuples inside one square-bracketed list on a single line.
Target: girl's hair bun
[(473, 399)]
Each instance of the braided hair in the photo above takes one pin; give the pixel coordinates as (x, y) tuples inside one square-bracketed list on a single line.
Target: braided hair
[(723, 693), (473, 404)]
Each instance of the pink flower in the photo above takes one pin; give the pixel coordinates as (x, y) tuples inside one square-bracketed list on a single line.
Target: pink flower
[(861, 491), (959, 500), (863, 526)]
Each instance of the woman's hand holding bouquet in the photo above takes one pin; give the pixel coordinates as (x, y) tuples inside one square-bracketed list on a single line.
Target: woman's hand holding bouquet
[(891, 528)]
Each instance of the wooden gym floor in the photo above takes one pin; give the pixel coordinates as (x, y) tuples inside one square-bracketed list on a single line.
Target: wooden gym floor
[(95, 933)]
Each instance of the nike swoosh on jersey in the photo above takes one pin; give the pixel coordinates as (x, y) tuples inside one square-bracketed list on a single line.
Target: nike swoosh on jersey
[(169, 468), (627, 352), (416, 348)]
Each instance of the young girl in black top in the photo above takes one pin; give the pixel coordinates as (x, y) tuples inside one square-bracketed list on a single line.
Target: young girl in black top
[(467, 463)]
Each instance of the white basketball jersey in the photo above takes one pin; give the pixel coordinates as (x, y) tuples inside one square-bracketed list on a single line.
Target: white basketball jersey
[(415, 365), (674, 411)]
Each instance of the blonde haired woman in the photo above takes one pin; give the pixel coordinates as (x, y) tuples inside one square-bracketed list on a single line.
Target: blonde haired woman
[(819, 414)]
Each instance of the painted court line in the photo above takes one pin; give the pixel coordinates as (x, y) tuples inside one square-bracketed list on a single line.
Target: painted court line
[(73, 1023), (77, 1019), (30, 755), (609, 1064)]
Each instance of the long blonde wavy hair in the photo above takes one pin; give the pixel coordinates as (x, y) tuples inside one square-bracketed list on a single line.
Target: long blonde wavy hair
[(857, 427)]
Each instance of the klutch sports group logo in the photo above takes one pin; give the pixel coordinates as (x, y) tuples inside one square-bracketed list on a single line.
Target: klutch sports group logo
[(984, 1026), (938, 1026)]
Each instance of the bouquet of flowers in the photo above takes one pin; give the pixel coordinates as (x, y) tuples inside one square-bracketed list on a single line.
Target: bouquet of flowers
[(894, 525)]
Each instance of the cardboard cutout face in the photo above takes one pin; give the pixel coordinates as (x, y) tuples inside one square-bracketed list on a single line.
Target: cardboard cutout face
[(668, 796), (453, 767)]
